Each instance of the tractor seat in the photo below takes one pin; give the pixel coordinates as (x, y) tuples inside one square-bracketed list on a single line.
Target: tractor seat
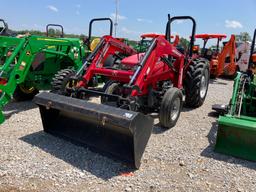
[(109, 62), (132, 60), (180, 49), (207, 53), (253, 58), (113, 60)]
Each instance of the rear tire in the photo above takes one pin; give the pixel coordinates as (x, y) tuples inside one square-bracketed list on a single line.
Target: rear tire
[(170, 108), (23, 93), (196, 83), (60, 81)]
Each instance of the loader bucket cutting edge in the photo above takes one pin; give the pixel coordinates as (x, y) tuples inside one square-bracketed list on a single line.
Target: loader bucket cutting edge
[(114, 132), (236, 137)]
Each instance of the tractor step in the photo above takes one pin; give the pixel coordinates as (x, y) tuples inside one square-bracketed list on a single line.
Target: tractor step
[(236, 137), (220, 109), (114, 132)]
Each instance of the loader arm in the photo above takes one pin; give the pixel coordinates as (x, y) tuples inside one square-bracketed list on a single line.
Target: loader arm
[(145, 75), (7, 84), (109, 47), (159, 48), (228, 50)]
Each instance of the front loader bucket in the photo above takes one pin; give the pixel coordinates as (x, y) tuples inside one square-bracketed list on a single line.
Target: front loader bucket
[(237, 137), (115, 132)]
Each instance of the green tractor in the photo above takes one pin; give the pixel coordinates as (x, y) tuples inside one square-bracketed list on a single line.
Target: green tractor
[(4, 30), (236, 134), (146, 40), (29, 63)]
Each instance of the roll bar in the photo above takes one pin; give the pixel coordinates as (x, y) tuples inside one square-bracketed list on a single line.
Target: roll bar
[(168, 30), (54, 25)]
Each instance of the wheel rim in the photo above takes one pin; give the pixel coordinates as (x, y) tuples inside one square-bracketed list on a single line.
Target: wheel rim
[(204, 84), (175, 109), (68, 86), (116, 91), (27, 90)]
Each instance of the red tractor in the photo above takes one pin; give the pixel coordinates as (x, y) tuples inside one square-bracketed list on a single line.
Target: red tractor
[(159, 80)]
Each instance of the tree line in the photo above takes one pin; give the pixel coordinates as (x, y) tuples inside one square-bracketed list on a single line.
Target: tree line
[(243, 36)]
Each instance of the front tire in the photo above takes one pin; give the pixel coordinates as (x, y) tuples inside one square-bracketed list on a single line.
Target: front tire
[(111, 88), (23, 93), (196, 83), (61, 80), (170, 108)]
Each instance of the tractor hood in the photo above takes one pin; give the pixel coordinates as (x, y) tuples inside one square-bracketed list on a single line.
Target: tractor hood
[(133, 60)]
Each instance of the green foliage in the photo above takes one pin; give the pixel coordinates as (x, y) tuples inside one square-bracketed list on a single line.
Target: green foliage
[(132, 43), (52, 33), (56, 33), (32, 32), (243, 36), (213, 47), (184, 43)]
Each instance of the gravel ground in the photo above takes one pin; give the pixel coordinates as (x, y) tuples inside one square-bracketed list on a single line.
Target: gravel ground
[(179, 159)]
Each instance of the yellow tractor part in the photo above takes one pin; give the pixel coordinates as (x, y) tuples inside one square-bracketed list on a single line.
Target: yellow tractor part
[(94, 43)]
